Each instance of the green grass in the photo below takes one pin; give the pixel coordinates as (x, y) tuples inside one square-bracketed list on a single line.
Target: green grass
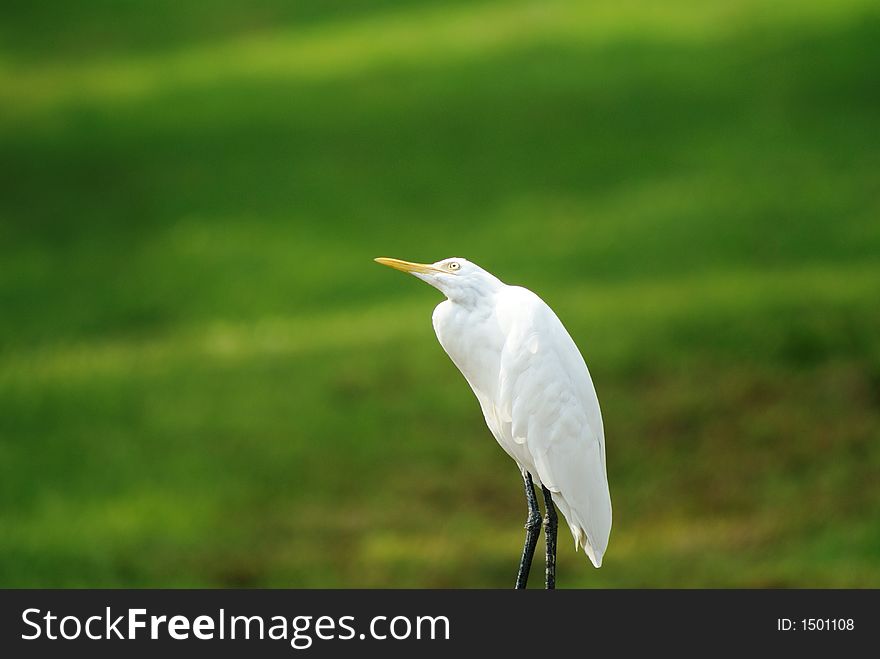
[(205, 381)]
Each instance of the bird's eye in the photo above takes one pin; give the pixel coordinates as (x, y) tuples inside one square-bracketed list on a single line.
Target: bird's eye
[(453, 265)]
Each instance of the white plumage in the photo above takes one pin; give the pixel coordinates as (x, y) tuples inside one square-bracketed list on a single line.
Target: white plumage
[(533, 386)]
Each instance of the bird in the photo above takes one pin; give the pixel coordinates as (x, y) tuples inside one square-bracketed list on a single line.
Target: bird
[(537, 398)]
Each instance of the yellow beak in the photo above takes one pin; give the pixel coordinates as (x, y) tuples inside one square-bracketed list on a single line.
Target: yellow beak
[(406, 266)]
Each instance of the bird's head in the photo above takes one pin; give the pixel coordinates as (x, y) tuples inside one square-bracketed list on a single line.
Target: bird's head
[(457, 278)]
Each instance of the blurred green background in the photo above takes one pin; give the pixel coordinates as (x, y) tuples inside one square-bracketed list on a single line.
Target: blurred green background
[(206, 381)]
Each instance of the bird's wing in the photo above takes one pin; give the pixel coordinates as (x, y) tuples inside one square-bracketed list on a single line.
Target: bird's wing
[(546, 391)]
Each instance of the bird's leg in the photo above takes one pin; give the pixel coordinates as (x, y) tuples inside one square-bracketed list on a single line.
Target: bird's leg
[(533, 530), (550, 524)]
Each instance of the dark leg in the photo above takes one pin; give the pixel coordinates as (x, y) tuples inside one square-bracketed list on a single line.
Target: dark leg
[(533, 530), (550, 524)]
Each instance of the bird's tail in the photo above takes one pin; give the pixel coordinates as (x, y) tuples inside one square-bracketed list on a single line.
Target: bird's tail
[(594, 544)]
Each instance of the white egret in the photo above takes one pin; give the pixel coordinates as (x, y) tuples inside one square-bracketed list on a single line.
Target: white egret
[(536, 395)]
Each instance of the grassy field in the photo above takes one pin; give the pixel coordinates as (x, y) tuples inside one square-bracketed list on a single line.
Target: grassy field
[(205, 381)]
